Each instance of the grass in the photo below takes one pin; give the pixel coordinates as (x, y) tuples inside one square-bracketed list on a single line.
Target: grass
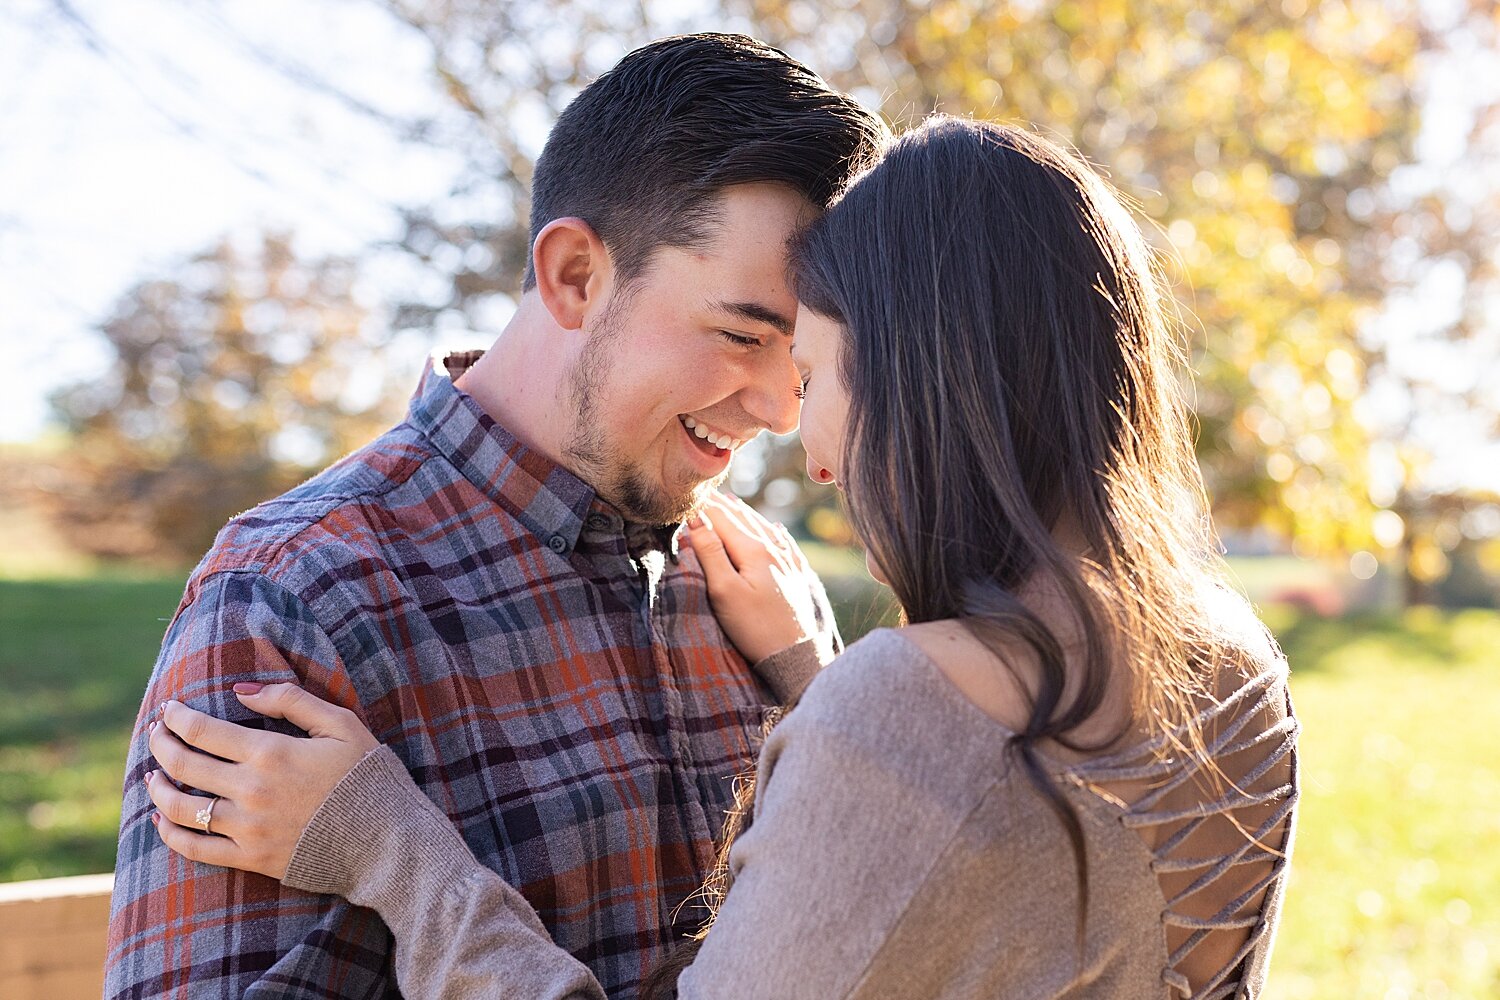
[(1396, 884), (1396, 878), (74, 658)]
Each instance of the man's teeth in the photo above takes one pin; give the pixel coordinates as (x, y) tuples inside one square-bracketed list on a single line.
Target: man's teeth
[(717, 440)]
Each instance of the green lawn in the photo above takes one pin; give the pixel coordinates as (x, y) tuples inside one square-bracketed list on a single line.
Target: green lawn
[(1396, 891), (1396, 884), (74, 658)]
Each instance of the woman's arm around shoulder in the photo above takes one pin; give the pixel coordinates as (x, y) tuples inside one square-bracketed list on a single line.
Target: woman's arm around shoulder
[(338, 813), (461, 930)]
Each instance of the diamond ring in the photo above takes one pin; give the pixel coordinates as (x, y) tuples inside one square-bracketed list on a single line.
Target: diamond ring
[(205, 816)]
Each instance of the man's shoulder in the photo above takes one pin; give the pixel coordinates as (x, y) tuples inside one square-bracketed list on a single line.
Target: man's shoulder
[(335, 516)]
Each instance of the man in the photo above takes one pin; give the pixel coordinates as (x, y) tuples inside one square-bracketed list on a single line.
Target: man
[(494, 585)]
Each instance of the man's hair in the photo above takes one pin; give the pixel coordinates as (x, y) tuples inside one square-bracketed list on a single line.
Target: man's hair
[(642, 152)]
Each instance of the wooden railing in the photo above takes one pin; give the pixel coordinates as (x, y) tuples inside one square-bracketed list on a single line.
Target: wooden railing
[(52, 936)]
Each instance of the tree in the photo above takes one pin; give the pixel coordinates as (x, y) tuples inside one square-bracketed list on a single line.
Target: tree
[(1256, 137), (1251, 134), (1433, 399), (508, 70), (232, 378), (1269, 146)]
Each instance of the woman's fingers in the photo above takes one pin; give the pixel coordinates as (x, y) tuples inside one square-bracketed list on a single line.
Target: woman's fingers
[(744, 517), (186, 765), (197, 846), (204, 732), (793, 550), (718, 570), (745, 548), (305, 711), (182, 808)]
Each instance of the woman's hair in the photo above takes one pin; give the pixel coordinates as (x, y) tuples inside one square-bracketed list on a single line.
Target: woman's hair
[(1013, 377)]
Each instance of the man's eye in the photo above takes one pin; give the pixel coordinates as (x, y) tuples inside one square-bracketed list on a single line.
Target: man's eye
[(801, 390), (740, 339)]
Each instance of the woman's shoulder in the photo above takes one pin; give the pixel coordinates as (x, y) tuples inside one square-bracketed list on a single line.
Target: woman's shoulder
[(876, 732), (857, 681), (880, 672), (1237, 627), (884, 696)]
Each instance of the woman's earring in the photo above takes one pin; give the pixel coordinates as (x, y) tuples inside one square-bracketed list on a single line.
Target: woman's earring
[(823, 476)]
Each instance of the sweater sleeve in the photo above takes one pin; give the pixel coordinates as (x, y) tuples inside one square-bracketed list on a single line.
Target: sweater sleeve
[(812, 904), (462, 932), (788, 671)]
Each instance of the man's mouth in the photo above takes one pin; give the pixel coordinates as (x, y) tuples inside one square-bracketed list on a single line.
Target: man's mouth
[(708, 439)]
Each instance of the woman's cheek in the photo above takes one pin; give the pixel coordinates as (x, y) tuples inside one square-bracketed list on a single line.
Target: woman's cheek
[(822, 453)]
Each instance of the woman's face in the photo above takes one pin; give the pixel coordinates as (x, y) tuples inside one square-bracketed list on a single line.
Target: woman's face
[(816, 344)]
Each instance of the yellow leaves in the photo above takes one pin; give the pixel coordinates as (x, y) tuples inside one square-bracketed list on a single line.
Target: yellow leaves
[(1426, 562), (1280, 467), (1213, 92), (1345, 373), (1489, 553), (1062, 105), (1241, 128), (829, 526)]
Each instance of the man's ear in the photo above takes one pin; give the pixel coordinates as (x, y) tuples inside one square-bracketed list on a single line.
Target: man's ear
[(573, 270)]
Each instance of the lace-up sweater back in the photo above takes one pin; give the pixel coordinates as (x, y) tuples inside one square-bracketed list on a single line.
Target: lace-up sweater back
[(897, 851)]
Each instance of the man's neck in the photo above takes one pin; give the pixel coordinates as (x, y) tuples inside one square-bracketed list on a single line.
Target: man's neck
[(522, 383)]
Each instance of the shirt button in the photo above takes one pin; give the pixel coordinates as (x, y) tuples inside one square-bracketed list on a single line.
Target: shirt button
[(597, 522), (558, 544)]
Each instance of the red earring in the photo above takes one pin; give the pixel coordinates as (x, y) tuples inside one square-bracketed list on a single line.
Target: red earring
[(823, 476)]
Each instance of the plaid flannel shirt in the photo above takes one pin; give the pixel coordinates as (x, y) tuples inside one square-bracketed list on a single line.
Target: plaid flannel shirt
[(551, 675)]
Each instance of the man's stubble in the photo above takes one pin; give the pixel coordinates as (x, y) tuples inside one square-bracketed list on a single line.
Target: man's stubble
[(636, 494)]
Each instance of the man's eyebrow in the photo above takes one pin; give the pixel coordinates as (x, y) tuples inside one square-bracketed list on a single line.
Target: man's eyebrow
[(755, 312)]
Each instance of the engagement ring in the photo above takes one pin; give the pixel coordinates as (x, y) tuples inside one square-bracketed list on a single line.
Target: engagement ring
[(205, 816)]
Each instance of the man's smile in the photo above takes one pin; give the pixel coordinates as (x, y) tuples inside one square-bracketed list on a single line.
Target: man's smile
[(711, 448), (709, 438)]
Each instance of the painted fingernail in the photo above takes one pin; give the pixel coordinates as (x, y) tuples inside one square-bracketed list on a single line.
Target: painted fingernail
[(152, 727), (164, 708), (248, 687), (156, 819), (149, 776), (695, 521)]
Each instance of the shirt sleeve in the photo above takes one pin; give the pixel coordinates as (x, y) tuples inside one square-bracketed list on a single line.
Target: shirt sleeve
[(180, 928), (787, 672)]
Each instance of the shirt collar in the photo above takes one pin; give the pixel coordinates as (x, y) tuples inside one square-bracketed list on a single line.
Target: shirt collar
[(548, 500)]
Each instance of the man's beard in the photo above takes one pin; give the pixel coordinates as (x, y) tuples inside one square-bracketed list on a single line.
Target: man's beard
[(632, 491)]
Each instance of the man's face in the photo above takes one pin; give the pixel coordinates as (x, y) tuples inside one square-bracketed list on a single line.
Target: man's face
[(694, 361)]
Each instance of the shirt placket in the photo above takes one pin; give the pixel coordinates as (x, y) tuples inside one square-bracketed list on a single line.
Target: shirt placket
[(676, 716), (641, 579)]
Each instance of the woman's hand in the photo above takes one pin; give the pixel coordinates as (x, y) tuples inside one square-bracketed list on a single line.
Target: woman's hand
[(268, 785), (759, 582)]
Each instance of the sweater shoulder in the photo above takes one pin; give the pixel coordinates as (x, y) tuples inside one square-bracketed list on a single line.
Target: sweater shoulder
[(883, 702)]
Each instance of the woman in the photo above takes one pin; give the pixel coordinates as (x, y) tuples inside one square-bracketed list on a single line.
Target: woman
[(1071, 772)]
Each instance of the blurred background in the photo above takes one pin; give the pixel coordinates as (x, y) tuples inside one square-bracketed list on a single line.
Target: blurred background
[(230, 233)]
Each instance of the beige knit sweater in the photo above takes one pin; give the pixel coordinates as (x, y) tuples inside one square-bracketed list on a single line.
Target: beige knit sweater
[(896, 852)]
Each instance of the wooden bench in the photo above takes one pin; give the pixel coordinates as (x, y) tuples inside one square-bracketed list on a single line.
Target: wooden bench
[(52, 935)]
